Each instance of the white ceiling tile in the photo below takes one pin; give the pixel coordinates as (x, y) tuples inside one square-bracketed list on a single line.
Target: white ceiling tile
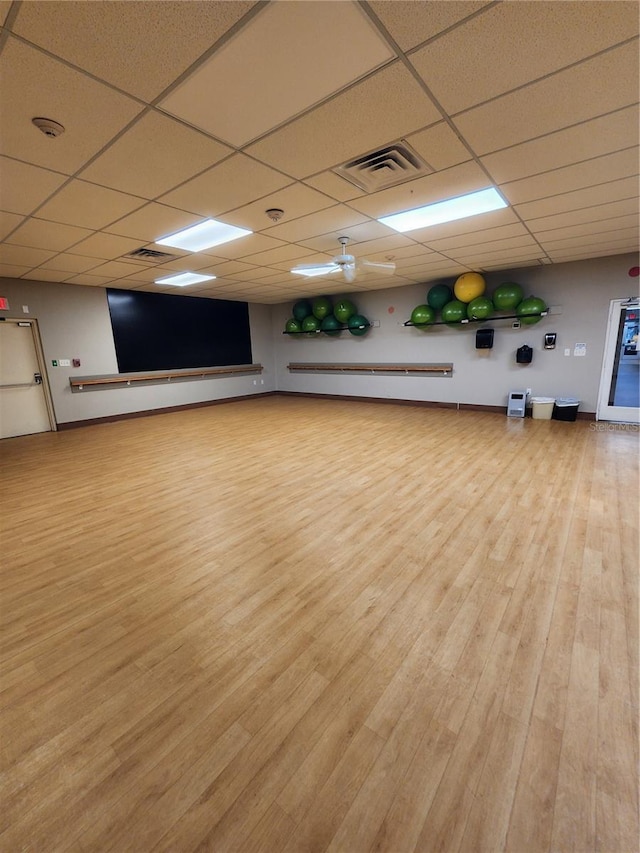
[(284, 253), (8, 221), (458, 180), (296, 200), (5, 5), (604, 225), (370, 230), (516, 247), (335, 186), (227, 186), (153, 156), (500, 232), (47, 235), (622, 236), (23, 256), (411, 23), (152, 222), (106, 246), (247, 246), (596, 213), (582, 142), (23, 187), (13, 270), (117, 269), (609, 167), (41, 274), (34, 84), (123, 43), (281, 40), (610, 79), (363, 118), (88, 279), (71, 263), (331, 220), (439, 146), (87, 205), (613, 191), (513, 43), (483, 222), (565, 255)]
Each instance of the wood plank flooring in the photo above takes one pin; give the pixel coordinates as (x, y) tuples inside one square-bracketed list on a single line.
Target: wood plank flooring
[(288, 625)]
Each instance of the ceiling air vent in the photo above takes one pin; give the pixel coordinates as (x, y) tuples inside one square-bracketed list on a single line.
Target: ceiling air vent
[(384, 168), (150, 256)]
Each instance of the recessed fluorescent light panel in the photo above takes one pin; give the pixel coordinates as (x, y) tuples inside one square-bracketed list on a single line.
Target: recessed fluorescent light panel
[(461, 207), (324, 269), (203, 236), (184, 278)]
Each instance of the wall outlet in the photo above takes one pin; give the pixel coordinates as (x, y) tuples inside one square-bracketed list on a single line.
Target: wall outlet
[(528, 392), (567, 351), (64, 362)]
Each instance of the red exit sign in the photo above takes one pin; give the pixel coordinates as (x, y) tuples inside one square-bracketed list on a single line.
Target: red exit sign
[(4, 303)]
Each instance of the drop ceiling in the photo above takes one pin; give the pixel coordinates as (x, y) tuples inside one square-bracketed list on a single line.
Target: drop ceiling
[(179, 111)]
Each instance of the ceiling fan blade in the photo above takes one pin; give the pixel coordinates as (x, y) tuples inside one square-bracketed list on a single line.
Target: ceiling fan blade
[(315, 269), (378, 267)]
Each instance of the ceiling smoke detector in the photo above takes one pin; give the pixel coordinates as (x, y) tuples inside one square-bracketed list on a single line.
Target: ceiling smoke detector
[(49, 127), (275, 214)]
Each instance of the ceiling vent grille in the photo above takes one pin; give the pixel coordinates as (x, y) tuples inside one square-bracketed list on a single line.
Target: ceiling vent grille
[(150, 256), (384, 167)]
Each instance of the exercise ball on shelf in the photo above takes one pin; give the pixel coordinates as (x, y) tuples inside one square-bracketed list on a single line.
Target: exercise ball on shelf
[(454, 312), (301, 309), (468, 286), (330, 326), (480, 308), (438, 296), (344, 309), (321, 307), (293, 326), (507, 296), (422, 316), (311, 324), (530, 309), (358, 325)]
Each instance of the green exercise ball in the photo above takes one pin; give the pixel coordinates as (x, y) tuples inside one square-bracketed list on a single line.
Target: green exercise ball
[(358, 325), (530, 309), (480, 308), (423, 316), (344, 309), (321, 307), (454, 312), (507, 296), (438, 296), (302, 309), (330, 326), (293, 326), (311, 324)]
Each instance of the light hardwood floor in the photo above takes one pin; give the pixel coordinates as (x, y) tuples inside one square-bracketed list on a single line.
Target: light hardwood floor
[(302, 625)]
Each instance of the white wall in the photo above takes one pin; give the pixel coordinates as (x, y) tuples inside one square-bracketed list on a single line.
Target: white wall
[(581, 290), (74, 322)]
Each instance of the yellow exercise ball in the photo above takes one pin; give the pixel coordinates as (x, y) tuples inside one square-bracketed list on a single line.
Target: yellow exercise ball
[(469, 286)]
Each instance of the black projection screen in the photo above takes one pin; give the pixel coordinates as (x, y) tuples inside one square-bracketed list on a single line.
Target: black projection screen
[(154, 331)]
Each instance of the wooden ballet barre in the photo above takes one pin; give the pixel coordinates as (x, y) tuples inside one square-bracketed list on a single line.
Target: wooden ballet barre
[(166, 376), (403, 369)]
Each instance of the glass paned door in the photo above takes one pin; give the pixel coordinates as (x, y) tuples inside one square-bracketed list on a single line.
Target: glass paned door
[(619, 397)]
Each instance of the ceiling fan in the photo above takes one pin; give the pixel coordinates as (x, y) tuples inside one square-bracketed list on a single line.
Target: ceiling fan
[(348, 264)]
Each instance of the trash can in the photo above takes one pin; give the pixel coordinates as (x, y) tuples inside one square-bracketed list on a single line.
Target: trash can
[(542, 408), (565, 409)]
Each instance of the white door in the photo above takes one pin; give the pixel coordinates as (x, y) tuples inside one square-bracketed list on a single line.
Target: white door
[(23, 404), (619, 395)]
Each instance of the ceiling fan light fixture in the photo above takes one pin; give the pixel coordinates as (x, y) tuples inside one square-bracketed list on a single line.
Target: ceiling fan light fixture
[(461, 207), (203, 236)]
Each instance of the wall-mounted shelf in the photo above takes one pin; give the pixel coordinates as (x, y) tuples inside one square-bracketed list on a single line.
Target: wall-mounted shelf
[(394, 369), (467, 322), (126, 380)]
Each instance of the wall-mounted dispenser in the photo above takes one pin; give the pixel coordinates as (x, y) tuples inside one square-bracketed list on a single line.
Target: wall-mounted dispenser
[(484, 339), (550, 340), (524, 354)]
